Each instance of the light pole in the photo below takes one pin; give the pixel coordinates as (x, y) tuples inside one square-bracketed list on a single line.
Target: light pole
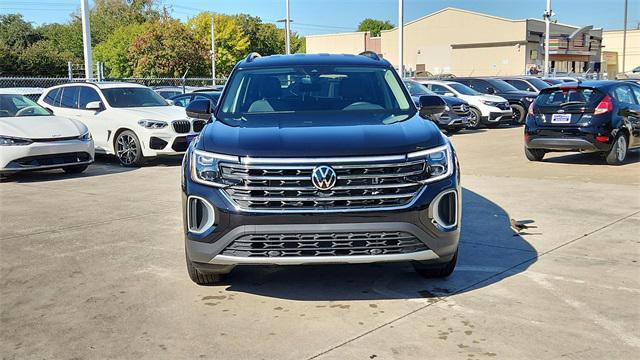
[(213, 50), (401, 37), (86, 40), (547, 16), (287, 29), (624, 37)]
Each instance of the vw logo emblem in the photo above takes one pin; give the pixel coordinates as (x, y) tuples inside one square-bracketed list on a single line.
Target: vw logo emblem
[(323, 177)]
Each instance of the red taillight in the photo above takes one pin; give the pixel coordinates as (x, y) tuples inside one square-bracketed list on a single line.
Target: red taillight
[(531, 108), (602, 138), (604, 106), (526, 137)]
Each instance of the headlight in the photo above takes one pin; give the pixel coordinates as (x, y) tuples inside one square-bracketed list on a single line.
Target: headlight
[(11, 141), (447, 108), (152, 124), (439, 162), (205, 168), (85, 137), (489, 103)]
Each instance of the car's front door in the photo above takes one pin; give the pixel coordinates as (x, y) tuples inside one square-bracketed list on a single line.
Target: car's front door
[(97, 122)]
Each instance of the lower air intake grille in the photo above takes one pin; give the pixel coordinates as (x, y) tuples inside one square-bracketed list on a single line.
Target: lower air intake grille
[(198, 125), (324, 244)]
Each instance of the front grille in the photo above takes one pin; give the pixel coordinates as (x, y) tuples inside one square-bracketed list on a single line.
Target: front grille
[(198, 125), (503, 106), (324, 244), (181, 126), (284, 187), (460, 109), (53, 159)]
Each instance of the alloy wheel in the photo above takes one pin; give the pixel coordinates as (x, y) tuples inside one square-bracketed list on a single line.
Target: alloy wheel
[(516, 115), (127, 149), (473, 119)]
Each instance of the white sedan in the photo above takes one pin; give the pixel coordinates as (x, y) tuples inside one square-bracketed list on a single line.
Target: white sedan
[(31, 138)]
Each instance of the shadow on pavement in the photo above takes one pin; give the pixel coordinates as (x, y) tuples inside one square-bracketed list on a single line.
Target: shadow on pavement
[(633, 156), (489, 252)]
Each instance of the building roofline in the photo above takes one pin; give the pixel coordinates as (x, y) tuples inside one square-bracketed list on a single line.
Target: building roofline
[(337, 34)]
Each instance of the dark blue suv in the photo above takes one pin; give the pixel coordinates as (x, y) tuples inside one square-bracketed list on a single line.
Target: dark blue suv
[(319, 159)]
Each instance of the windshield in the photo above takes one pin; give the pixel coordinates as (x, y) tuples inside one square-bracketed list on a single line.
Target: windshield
[(539, 84), (313, 88), (501, 85), (417, 89), (18, 105), (464, 89), (133, 97)]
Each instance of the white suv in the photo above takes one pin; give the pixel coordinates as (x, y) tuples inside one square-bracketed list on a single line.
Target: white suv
[(128, 120), (490, 110)]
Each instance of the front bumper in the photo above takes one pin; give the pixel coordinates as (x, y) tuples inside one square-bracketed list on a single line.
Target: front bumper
[(437, 244), (45, 155), (498, 116), (452, 120), (165, 142)]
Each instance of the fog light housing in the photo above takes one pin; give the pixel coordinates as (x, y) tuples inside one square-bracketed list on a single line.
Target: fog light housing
[(443, 211), (200, 215)]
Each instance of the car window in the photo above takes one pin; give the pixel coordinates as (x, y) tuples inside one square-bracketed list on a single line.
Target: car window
[(50, 98), (464, 89), (120, 97), (624, 94), (569, 96), (314, 88), (439, 89), (182, 101), (636, 92), (477, 85), (417, 89), (18, 105), (87, 95), (518, 84), (70, 97)]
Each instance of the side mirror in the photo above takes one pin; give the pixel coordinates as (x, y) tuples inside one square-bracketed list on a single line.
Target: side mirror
[(491, 90), (94, 106), (449, 94), (431, 105), (531, 89), (171, 102), (199, 109)]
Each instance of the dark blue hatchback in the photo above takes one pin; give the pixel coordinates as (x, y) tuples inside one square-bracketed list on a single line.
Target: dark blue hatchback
[(591, 116), (315, 159)]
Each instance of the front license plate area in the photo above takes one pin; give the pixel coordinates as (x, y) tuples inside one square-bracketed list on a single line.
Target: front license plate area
[(561, 118)]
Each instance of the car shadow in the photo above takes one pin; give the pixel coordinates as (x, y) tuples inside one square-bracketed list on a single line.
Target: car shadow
[(633, 156), (489, 252)]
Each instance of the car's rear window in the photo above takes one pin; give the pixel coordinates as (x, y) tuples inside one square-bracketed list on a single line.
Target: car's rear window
[(568, 96)]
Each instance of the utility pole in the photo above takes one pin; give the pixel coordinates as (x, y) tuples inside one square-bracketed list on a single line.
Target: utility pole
[(86, 40), (213, 50), (401, 38), (287, 29), (624, 37), (547, 16)]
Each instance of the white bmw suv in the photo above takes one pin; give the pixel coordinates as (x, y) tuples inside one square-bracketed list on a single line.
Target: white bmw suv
[(130, 121), (489, 110)]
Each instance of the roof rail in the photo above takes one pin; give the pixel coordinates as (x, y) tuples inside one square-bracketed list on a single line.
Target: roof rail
[(370, 55), (252, 56)]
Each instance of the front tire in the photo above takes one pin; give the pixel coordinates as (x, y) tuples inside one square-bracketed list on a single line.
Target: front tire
[(128, 149), (618, 152), (474, 118), (75, 169), (534, 154), (430, 270), (519, 114), (199, 277)]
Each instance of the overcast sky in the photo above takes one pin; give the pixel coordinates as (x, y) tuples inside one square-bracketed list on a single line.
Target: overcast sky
[(326, 16)]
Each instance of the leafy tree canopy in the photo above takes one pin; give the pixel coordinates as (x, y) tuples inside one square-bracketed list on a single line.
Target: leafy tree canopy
[(374, 26)]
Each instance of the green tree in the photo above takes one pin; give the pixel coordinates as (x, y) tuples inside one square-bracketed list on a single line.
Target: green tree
[(231, 42), (66, 37), (374, 26), (114, 52), (167, 49), (108, 15), (266, 38), (16, 33), (44, 58)]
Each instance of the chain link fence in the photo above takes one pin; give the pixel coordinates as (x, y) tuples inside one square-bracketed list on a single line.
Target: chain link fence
[(45, 82)]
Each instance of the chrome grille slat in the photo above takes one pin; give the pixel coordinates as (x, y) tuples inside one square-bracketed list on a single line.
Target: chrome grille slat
[(323, 244), (288, 186)]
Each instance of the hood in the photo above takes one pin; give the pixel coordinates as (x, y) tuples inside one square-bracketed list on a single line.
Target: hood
[(452, 100), (517, 95), (493, 98), (165, 113), (41, 127), (315, 136)]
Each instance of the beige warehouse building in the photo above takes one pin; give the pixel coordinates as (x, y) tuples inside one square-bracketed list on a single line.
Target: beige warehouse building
[(461, 42), (612, 50)]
